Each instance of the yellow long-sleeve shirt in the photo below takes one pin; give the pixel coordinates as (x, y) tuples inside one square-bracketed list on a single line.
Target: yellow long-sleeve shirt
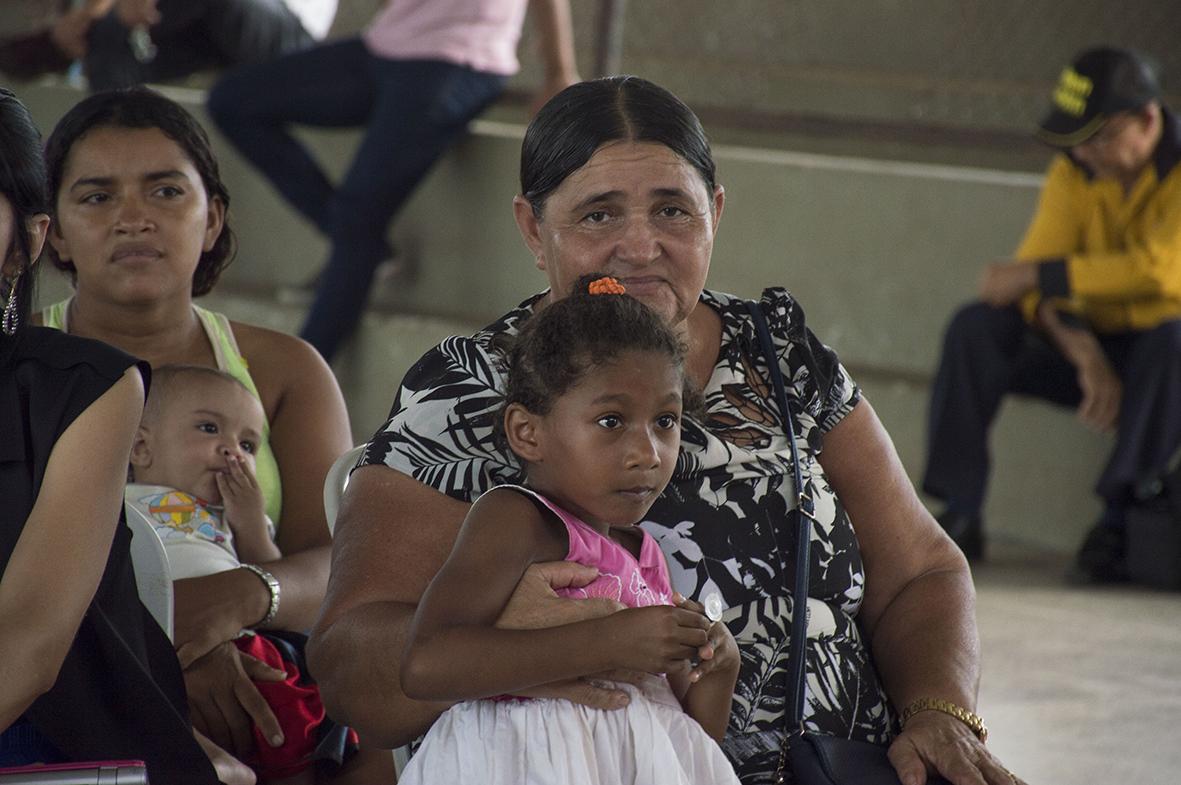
[(1113, 260)]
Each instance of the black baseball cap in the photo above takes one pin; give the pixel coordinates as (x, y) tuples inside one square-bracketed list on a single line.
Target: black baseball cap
[(1099, 83)]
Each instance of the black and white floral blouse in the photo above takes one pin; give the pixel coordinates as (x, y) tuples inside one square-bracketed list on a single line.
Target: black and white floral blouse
[(722, 520)]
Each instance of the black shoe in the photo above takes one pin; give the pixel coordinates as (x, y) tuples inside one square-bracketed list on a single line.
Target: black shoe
[(966, 530), (1102, 559)]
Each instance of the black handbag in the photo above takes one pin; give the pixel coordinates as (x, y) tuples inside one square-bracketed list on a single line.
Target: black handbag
[(813, 758)]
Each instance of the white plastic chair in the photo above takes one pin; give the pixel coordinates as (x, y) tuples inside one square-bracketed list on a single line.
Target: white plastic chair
[(334, 487), (153, 573), (337, 480)]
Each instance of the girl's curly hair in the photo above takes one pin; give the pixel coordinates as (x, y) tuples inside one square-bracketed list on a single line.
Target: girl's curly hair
[(570, 338)]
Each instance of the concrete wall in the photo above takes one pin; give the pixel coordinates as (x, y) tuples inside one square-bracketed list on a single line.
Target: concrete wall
[(879, 253), (964, 64), (961, 64)]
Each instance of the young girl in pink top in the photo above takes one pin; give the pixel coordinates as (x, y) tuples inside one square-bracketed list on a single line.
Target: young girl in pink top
[(596, 387)]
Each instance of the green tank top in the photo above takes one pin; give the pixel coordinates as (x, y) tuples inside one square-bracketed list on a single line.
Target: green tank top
[(230, 360)]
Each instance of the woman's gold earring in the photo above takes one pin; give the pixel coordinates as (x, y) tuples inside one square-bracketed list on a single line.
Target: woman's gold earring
[(11, 319)]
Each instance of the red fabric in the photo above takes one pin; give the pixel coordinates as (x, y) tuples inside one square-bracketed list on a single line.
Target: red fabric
[(297, 707)]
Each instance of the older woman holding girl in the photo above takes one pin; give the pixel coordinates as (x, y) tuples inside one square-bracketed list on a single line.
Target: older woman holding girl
[(617, 175), (140, 226)]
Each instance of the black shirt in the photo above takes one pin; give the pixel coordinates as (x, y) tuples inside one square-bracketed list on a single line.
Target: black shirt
[(119, 693)]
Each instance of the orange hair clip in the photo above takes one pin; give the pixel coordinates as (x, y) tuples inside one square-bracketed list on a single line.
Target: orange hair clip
[(606, 285)]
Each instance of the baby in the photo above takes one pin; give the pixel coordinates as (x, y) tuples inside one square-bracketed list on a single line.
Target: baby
[(192, 469), (192, 477)]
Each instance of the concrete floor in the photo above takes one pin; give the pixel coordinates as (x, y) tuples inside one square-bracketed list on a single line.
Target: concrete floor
[(1079, 684)]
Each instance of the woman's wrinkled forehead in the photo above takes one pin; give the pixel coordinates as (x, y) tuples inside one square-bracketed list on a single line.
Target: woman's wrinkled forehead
[(627, 167)]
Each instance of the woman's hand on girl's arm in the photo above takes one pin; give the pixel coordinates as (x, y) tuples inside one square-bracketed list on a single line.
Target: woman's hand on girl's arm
[(58, 561), (357, 645), (535, 603), (919, 607), (456, 652)]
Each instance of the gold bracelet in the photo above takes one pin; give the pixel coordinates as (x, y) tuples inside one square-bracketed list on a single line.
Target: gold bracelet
[(973, 721)]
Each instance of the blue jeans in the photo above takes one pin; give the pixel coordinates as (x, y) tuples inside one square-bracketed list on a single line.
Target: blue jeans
[(412, 109)]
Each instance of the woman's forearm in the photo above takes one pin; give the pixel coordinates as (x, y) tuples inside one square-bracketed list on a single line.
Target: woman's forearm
[(302, 578), (214, 608), (31, 654), (355, 650), (357, 661), (919, 608), (303, 581), (926, 644)]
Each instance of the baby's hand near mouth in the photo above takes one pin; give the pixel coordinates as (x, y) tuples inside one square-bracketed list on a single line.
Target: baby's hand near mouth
[(245, 512)]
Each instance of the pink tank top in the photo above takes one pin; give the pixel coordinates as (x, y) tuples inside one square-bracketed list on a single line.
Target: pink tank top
[(637, 583)]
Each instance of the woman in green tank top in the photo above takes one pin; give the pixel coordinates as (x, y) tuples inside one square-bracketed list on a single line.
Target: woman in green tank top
[(139, 226)]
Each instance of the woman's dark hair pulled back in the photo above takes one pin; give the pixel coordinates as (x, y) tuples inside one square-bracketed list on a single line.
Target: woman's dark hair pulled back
[(569, 339), (582, 118), (140, 108), (22, 181)]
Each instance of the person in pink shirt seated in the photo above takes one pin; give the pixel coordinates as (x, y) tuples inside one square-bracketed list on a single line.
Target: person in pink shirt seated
[(596, 388), (415, 78)]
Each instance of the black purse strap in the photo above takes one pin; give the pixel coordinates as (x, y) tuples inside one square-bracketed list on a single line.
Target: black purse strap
[(801, 517)]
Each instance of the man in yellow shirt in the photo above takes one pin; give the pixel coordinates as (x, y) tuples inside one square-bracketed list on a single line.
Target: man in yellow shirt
[(1087, 314)]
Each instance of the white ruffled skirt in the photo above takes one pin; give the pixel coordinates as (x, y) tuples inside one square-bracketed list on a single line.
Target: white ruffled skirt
[(555, 742)]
